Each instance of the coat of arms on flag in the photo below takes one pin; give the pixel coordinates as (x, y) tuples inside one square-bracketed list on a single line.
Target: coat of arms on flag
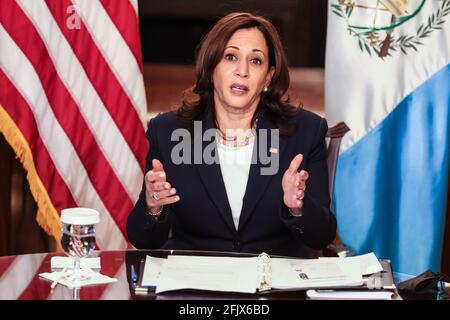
[(377, 24)]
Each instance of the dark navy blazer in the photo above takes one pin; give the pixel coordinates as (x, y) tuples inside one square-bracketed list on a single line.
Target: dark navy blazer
[(202, 219)]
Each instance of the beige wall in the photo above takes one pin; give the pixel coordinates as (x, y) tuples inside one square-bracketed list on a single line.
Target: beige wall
[(165, 83)]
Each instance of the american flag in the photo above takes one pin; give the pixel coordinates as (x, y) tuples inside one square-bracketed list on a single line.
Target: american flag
[(73, 107)]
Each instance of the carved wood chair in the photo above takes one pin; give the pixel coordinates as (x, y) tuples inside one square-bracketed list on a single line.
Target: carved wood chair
[(334, 137)]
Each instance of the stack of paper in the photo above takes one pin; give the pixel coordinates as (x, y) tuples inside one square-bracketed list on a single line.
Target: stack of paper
[(378, 285), (351, 295), (240, 274), (225, 274)]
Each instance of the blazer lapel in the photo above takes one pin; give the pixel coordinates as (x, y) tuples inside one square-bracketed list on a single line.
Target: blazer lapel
[(257, 182), (211, 175)]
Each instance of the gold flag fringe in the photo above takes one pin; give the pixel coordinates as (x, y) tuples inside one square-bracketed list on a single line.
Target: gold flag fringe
[(47, 216)]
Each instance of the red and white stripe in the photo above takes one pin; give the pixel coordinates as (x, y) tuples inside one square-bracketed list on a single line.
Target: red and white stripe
[(19, 279), (134, 4), (19, 274), (78, 98)]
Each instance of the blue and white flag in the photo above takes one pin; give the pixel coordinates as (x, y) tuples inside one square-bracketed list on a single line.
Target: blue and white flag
[(388, 78)]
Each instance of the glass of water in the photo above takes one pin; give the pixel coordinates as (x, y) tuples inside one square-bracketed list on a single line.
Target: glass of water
[(78, 239)]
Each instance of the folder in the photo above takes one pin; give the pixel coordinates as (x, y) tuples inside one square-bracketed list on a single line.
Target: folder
[(261, 274)]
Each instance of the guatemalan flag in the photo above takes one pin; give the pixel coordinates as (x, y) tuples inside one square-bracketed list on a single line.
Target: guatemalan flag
[(388, 78)]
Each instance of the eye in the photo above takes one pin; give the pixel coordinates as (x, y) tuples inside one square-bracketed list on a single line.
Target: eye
[(256, 61), (230, 57)]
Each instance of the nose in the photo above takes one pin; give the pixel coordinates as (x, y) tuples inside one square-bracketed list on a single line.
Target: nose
[(242, 69)]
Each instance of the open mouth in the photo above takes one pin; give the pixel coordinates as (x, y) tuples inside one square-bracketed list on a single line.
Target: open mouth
[(238, 89)]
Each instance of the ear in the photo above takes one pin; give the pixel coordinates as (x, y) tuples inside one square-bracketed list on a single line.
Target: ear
[(269, 76)]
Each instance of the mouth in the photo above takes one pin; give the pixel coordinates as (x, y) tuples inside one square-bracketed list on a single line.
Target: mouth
[(239, 89)]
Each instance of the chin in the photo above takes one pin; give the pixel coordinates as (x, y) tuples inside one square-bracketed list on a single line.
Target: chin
[(238, 102), (242, 105)]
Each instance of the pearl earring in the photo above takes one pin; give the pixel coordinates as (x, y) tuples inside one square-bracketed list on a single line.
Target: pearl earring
[(265, 89)]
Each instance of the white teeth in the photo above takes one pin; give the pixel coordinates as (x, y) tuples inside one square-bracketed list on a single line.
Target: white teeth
[(238, 88)]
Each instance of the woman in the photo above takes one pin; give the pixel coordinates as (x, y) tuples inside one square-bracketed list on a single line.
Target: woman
[(236, 202)]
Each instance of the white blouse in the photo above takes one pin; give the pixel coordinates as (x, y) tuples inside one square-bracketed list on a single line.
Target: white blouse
[(235, 167)]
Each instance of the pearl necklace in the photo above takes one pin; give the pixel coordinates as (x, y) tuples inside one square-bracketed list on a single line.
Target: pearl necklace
[(226, 140)]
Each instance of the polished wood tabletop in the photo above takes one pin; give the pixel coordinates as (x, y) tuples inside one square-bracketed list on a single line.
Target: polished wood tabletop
[(19, 280)]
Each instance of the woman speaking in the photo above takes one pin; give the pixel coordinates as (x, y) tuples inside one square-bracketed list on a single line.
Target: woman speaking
[(236, 167)]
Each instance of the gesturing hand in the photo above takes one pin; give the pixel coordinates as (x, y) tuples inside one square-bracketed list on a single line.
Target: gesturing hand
[(294, 185), (158, 191)]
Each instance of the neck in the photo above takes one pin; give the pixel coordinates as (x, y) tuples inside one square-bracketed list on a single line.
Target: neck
[(234, 118), (235, 131)]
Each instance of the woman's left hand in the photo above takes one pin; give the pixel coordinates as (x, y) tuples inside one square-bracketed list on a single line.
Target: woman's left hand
[(294, 185)]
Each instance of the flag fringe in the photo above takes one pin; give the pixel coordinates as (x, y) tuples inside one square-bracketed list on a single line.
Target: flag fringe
[(47, 216)]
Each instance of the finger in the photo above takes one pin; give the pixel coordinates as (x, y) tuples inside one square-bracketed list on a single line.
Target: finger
[(168, 200), (300, 194), (295, 163), (297, 203), (157, 165), (154, 196), (304, 175), (297, 180), (302, 185), (151, 187), (160, 186), (164, 194), (152, 176)]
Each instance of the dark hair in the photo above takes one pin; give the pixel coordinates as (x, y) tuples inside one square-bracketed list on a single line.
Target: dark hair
[(198, 101)]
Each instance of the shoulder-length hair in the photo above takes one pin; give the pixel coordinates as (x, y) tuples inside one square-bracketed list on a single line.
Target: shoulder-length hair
[(198, 101)]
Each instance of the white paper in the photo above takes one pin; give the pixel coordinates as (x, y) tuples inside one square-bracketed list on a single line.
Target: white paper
[(368, 263), (152, 269), (94, 278), (315, 273), (62, 262), (351, 295), (236, 274), (226, 274)]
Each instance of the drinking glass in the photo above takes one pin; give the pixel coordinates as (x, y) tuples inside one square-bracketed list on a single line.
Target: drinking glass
[(78, 239)]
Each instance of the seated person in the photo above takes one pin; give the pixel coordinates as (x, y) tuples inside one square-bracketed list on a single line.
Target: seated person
[(236, 167)]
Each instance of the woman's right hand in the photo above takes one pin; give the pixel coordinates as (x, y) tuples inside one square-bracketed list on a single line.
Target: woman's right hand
[(158, 191)]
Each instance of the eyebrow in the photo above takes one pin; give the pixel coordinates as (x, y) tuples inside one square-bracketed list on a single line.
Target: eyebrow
[(237, 48)]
